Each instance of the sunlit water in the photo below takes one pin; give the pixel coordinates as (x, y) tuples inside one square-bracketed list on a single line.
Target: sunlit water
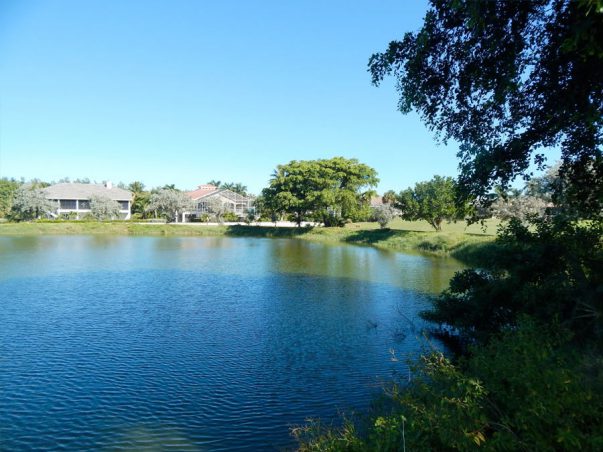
[(197, 343)]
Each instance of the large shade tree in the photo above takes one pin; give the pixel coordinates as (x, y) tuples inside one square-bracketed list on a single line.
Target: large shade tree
[(328, 190), (508, 80)]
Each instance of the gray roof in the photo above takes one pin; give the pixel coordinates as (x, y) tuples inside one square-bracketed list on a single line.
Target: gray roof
[(86, 191)]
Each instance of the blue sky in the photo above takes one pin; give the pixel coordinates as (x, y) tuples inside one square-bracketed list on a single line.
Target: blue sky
[(187, 91)]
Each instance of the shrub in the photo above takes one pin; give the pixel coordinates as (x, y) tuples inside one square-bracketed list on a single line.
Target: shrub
[(230, 217)]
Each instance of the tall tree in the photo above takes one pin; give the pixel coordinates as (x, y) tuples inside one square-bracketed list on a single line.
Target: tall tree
[(507, 80), (8, 188), (236, 187), (433, 201), (389, 197), (331, 191), (136, 187), (140, 197)]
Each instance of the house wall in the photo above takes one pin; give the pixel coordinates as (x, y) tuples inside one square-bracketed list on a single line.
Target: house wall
[(82, 208)]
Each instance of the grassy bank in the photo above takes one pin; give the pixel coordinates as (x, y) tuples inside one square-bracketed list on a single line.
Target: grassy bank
[(457, 240)]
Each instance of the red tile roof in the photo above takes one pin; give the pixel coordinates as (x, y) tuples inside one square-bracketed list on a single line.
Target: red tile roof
[(376, 201), (201, 191)]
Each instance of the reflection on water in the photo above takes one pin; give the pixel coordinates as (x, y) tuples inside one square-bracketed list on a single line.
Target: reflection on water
[(196, 343)]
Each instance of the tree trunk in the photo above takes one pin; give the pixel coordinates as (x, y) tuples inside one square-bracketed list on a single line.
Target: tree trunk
[(436, 223)]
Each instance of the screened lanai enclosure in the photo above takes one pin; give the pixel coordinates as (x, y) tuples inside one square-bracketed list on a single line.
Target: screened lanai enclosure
[(209, 200)]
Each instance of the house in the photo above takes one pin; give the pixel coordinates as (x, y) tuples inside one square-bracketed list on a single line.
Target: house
[(209, 197), (75, 198), (376, 201)]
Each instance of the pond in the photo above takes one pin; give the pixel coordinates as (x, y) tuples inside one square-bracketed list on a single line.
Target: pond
[(113, 342)]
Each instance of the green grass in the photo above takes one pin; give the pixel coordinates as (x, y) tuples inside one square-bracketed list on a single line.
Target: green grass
[(456, 239)]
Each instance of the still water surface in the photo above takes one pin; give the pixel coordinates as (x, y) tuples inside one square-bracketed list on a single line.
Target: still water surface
[(197, 343)]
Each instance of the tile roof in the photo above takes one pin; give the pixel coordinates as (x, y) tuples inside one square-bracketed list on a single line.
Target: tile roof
[(202, 191), (376, 201), (85, 191)]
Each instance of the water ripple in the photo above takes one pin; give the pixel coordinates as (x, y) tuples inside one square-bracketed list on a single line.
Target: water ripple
[(184, 357)]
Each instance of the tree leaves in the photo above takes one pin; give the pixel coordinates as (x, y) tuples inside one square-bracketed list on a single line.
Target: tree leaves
[(327, 190), (507, 80)]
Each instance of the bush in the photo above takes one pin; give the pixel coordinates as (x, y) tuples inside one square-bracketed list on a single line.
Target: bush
[(520, 392), (384, 214), (230, 217), (550, 269)]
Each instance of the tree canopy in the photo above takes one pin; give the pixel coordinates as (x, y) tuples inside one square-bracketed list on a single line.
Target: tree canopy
[(236, 187), (433, 201), (103, 208), (8, 187), (508, 80), (169, 203), (327, 190), (30, 203)]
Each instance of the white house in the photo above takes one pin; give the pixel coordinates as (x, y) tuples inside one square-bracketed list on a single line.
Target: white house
[(73, 197), (205, 197)]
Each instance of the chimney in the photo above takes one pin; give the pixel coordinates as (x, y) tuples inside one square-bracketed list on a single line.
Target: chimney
[(108, 185)]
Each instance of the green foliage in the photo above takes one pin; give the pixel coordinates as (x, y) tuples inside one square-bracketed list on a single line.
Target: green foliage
[(140, 198), (551, 269), (8, 188), (433, 201), (520, 392), (250, 215), (236, 187), (136, 187), (329, 191), (230, 217), (315, 437), (30, 203), (103, 208), (389, 197), (506, 79), (140, 203), (68, 216)]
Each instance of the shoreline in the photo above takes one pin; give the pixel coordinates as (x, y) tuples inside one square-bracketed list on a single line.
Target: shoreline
[(467, 247)]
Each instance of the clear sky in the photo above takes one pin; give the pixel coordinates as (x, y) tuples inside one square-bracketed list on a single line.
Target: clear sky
[(181, 92)]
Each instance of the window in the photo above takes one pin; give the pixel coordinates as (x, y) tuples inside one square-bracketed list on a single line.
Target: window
[(124, 205), (68, 204), (83, 204)]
